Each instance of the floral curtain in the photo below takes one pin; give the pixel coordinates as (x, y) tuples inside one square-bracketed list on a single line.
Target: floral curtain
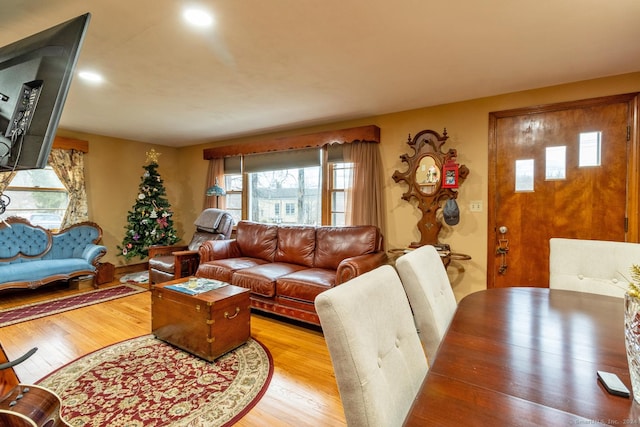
[(215, 172), (69, 166), (5, 179), (365, 204)]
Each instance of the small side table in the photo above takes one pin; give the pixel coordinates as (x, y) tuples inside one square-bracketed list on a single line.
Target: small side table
[(208, 324), (446, 255)]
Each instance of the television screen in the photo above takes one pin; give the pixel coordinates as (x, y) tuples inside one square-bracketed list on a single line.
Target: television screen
[(35, 76)]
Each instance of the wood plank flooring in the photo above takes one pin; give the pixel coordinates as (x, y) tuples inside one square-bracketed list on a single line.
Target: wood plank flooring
[(303, 391)]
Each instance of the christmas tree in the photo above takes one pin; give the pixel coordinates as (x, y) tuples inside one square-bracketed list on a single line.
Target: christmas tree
[(150, 221)]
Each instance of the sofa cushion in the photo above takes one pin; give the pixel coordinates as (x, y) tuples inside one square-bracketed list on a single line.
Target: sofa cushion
[(71, 242), (257, 240), (23, 239), (296, 245), (34, 271), (306, 284), (223, 269), (261, 279), (334, 244)]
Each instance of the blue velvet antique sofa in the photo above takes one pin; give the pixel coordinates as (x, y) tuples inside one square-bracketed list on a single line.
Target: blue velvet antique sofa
[(31, 256)]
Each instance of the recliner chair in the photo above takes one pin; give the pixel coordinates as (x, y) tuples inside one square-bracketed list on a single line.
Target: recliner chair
[(176, 261)]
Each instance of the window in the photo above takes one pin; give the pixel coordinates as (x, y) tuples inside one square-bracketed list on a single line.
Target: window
[(556, 163), (341, 175), (524, 175), (39, 196), (590, 147), (233, 198), (291, 188), (290, 209), (305, 186)]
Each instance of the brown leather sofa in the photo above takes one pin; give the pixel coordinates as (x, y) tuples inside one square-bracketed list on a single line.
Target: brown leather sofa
[(287, 266)]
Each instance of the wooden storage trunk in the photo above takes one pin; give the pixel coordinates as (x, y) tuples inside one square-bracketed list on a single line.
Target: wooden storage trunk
[(208, 325)]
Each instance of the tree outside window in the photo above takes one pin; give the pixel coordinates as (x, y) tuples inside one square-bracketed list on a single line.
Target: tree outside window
[(298, 190)]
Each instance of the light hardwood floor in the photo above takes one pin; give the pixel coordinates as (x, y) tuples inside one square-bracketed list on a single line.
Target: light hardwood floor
[(303, 391)]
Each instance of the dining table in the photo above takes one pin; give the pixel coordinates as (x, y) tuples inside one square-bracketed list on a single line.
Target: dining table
[(524, 356)]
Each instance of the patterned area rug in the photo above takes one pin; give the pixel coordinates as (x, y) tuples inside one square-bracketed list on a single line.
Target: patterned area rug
[(58, 305), (145, 382)]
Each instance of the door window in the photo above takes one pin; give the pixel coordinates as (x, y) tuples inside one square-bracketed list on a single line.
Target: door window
[(590, 148)]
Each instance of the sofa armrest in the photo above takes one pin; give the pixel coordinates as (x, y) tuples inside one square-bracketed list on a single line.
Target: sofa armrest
[(357, 265), (159, 250), (219, 249), (185, 253), (186, 259), (92, 253)]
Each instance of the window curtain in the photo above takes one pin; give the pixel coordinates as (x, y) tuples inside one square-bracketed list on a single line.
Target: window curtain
[(365, 205), (69, 166), (216, 171), (5, 179)]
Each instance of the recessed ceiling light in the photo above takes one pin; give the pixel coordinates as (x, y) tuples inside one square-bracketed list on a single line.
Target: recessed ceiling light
[(90, 76), (198, 17)]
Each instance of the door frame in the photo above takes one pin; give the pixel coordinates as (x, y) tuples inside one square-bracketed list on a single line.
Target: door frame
[(633, 164)]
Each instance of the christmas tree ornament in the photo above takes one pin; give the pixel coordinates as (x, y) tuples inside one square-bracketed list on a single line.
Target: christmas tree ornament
[(152, 157)]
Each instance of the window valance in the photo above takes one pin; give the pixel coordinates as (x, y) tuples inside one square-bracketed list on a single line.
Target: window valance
[(370, 133)]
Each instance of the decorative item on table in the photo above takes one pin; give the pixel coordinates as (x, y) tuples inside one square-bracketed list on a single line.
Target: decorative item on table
[(632, 329), (216, 190), (197, 285)]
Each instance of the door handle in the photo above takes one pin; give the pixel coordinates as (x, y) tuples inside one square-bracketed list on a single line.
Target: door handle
[(502, 249)]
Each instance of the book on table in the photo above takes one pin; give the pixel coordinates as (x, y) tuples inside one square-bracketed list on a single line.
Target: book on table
[(197, 286)]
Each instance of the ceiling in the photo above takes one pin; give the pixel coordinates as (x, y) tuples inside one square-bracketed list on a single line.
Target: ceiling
[(283, 64)]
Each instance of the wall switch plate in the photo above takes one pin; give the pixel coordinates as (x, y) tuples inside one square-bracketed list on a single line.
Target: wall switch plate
[(475, 206)]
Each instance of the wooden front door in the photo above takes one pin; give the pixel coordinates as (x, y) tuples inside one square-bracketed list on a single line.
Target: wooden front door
[(562, 170)]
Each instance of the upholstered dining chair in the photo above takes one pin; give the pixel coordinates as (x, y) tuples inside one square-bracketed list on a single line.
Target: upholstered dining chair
[(427, 285), (595, 266), (176, 261), (375, 350)]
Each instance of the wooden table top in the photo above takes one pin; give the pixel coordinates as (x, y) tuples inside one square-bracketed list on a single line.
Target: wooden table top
[(209, 297), (528, 356)]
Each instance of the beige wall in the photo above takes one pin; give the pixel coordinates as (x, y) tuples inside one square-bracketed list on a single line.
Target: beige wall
[(113, 172), (114, 169)]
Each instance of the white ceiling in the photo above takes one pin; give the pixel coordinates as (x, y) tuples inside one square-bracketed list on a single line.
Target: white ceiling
[(283, 64)]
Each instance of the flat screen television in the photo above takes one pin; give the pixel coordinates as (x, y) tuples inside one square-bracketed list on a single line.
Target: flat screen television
[(35, 76)]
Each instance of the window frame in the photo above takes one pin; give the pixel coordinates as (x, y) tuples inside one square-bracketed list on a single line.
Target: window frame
[(327, 188), (332, 190), (30, 211)]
